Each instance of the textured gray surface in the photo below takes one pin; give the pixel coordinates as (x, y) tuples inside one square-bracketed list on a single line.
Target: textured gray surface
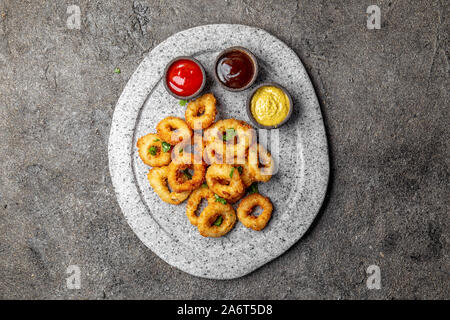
[(296, 190), (384, 95)]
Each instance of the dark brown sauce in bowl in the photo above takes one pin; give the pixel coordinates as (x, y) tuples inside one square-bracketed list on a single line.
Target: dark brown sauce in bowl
[(236, 69)]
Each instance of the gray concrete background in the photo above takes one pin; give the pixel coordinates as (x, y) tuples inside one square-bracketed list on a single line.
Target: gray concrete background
[(384, 95)]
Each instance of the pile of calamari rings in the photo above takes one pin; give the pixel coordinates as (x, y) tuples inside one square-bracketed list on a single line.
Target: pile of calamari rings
[(221, 166)]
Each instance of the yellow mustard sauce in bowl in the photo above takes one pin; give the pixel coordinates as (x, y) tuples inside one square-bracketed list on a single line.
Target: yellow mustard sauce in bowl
[(270, 105)]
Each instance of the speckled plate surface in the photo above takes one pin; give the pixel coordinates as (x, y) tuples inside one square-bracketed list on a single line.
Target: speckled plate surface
[(296, 191)]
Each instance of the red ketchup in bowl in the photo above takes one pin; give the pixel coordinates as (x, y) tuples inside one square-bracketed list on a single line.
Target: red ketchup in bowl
[(184, 77)]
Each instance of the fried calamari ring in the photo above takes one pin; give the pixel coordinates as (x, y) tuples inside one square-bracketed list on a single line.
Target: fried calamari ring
[(151, 151), (214, 153), (227, 141), (235, 135), (189, 153), (246, 176), (174, 130), (260, 163), (198, 146), (180, 178), (220, 153), (194, 201), (209, 223), (244, 211), (236, 197), (225, 181), (200, 113), (158, 180)]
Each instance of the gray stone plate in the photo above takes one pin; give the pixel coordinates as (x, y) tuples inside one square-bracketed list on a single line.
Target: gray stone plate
[(296, 191)]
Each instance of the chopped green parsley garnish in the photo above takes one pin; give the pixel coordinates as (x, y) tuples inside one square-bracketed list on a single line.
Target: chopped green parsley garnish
[(218, 221), (232, 171), (166, 146), (253, 188), (229, 134), (219, 199), (152, 150), (187, 174)]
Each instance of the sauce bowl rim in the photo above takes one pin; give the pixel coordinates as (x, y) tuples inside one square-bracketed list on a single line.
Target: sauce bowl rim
[(249, 101), (166, 70), (252, 58)]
